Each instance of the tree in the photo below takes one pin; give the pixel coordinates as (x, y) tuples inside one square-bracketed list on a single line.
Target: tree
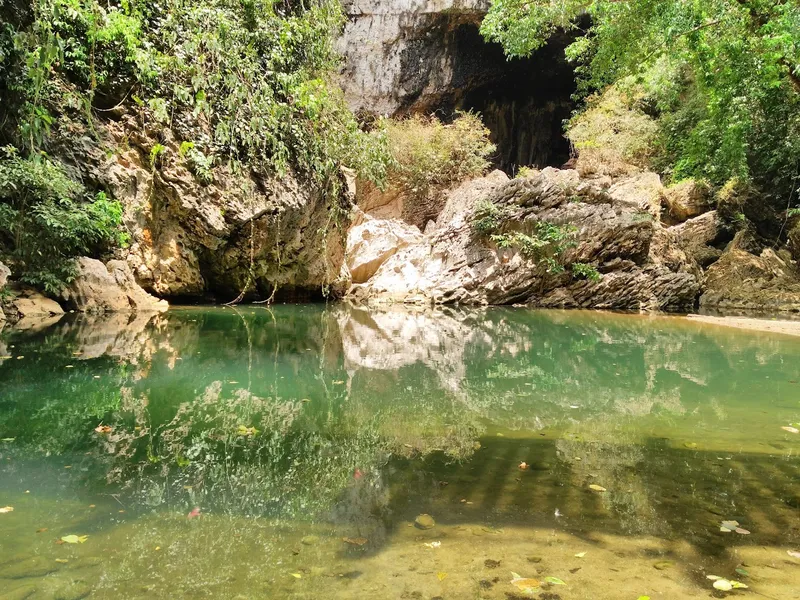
[(721, 76)]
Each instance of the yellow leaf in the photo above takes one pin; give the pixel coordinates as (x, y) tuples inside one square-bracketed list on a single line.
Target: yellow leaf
[(7, 509), (63, 561), (74, 539), (441, 575), (580, 555), (296, 575), (597, 488)]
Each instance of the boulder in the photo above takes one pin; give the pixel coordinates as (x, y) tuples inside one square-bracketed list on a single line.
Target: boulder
[(743, 281), (697, 236), (29, 303), (688, 199), (456, 264), (640, 192), (100, 288), (372, 243), (5, 273)]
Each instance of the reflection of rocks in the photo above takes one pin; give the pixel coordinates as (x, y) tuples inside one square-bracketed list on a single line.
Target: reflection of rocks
[(100, 288), (28, 309), (122, 335)]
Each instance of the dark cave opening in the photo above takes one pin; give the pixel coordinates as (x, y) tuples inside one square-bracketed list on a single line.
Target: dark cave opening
[(524, 102)]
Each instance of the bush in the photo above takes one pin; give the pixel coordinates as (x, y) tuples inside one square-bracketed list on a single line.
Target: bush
[(613, 136), (429, 156), (47, 219)]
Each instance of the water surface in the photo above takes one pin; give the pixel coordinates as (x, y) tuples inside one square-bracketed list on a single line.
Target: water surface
[(307, 439)]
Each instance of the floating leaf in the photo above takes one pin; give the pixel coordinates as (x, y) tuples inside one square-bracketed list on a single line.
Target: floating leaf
[(525, 584), (359, 541), (63, 561), (644, 598), (738, 585), (432, 545), (554, 581), (74, 539), (441, 575), (7, 509), (723, 585), (597, 488), (691, 445), (580, 555), (741, 531), (8, 439), (103, 429), (728, 526), (791, 429), (524, 466), (793, 553), (742, 572), (296, 575)]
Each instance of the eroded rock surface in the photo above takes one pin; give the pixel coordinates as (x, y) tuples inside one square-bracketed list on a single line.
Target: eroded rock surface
[(742, 281), (616, 229), (100, 288), (372, 243)]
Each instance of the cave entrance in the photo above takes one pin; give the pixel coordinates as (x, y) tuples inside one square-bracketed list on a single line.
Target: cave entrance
[(524, 102)]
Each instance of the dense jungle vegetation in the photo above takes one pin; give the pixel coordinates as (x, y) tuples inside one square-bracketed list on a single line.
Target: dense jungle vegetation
[(703, 89), (707, 90)]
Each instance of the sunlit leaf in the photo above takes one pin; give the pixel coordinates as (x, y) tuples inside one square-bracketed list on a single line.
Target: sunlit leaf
[(74, 539), (7, 509), (554, 581), (597, 488), (441, 575), (580, 555), (723, 585)]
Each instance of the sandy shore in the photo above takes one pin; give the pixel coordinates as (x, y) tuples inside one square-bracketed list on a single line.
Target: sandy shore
[(768, 325)]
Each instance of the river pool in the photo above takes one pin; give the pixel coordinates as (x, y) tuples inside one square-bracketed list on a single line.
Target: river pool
[(340, 452)]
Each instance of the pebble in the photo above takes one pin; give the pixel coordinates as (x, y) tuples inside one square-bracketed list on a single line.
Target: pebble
[(425, 522)]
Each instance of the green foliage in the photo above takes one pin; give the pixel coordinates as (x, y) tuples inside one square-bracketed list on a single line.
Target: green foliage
[(428, 155), (247, 78), (721, 78), (155, 152), (487, 218), (585, 271), (47, 219)]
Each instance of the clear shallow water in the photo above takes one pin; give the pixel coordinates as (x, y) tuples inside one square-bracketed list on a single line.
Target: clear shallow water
[(296, 427)]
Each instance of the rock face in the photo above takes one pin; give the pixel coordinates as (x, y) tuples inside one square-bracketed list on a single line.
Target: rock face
[(28, 303), (454, 264), (372, 243), (100, 288), (189, 238), (742, 281), (5, 273)]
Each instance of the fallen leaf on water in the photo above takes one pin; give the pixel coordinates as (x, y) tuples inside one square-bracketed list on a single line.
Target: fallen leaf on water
[(7, 509), (742, 572), (644, 598), (723, 585), (691, 445), (296, 575), (359, 541), (441, 576), (63, 561), (74, 539), (580, 555), (728, 526), (523, 466), (742, 531), (432, 544), (8, 439), (793, 553), (103, 429), (597, 488), (41, 530), (791, 429), (338, 382), (554, 581), (525, 584)]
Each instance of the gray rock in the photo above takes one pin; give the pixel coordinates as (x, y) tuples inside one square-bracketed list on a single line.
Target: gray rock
[(100, 288)]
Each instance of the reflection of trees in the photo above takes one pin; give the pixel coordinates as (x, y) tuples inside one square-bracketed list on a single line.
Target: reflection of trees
[(331, 390)]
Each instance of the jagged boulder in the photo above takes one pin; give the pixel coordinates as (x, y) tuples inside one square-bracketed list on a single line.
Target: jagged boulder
[(743, 281), (688, 199), (697, 236), (372, 243), (455, 264), (110, 288), (28, 303)]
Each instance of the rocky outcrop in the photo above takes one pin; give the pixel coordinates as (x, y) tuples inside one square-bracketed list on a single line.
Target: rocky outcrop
[(196, 238), (5, 273), (27, 303), (615, 232), (742, 281), (100, 288), (372, 243), (697, 238)]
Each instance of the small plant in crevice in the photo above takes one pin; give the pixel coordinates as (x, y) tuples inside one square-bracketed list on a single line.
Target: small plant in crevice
[(585, 271)]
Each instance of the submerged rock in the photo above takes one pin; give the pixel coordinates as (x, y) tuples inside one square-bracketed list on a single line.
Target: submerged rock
[(425, 521)]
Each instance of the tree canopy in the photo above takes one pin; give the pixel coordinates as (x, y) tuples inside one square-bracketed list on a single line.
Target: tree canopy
[(721, 76)]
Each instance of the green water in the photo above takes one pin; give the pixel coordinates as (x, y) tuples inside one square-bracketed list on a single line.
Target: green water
[(294, 428)]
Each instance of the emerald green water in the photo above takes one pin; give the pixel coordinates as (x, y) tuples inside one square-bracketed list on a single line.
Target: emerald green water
[(296, 427)]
